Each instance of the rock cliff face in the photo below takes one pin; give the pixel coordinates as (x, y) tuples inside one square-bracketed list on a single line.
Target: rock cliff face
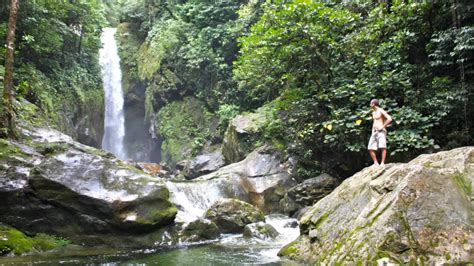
[(422, 211), (51, 184)]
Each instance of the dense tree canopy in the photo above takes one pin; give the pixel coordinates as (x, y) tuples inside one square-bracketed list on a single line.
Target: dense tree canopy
[(315, 64), (323, 63)]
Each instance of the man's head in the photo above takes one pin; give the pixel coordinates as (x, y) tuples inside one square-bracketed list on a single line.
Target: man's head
[(374, 102)]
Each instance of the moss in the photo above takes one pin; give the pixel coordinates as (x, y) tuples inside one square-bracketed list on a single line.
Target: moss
[(102, 153), (185, 127), (12, 240), (31, 113), (320, 220), (386, 254), (463, 183), (158, 213), (288, 249), (45, 242), (447, 256), (379, 214), (51, 148), (7, 149)]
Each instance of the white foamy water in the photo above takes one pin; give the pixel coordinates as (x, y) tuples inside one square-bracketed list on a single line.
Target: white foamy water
[(114, 130), (193, 198)]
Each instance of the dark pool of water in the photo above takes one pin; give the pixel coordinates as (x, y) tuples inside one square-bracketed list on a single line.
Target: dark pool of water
[(208, 254)]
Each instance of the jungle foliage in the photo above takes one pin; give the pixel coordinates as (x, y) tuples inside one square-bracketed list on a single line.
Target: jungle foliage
[(321, 63), (316, 64), (56, 62)]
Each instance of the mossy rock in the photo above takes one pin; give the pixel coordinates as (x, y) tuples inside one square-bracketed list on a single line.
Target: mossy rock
[(288, 249), (232, 215), (185, 127), (8, 150), (199, 230), (16, 242), (260, 230), (402, 213), (246, 132), (51, 148)]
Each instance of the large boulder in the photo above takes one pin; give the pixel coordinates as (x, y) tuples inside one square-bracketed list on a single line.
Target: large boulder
[(232, 215), (308, 193), (260, 230), (200, 230), (262, 178), (203, 164), (421, 212), (244, 133), (54, 185)]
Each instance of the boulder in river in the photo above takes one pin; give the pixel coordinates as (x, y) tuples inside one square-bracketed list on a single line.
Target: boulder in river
[(231, 215), (199, 230), (421, 212), (260, 230)]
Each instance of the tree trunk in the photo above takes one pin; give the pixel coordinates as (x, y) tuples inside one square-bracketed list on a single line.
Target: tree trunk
[(9, 115)]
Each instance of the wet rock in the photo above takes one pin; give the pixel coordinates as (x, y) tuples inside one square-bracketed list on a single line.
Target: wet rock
[(203, 164), (231, 215), (51, 184), (261, 178), (291, 224), (419, 212), (200, 230), (308, 193), (260, 230)]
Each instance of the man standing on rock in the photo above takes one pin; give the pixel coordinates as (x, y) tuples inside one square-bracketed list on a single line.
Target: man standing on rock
[(378, 139)]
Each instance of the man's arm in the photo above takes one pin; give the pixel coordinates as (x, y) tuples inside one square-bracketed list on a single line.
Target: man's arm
[(388, 118)]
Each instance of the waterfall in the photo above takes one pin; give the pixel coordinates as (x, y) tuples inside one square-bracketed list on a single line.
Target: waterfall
[(114, 130), (195, 197)]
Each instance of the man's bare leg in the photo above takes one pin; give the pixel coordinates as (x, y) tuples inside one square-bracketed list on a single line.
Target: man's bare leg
[(374, 157), (384, 155)]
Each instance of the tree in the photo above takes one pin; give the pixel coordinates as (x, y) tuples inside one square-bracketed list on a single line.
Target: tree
[(8, 80)]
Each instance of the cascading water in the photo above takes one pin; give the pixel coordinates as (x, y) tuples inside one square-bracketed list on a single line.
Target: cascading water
[(194, 197), (114, 131)]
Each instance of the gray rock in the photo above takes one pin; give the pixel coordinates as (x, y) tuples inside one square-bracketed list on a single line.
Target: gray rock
[(55, 185), (231, 215), (308, 193), (244, 133), (204, 164), (200, 230), (420, 212), (260, 230)]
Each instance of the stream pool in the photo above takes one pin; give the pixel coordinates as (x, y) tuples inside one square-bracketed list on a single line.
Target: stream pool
[(232, 250), (227, 250)]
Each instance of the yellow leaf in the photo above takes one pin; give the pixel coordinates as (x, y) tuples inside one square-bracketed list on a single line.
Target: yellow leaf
[(358, 122), (329, 127)]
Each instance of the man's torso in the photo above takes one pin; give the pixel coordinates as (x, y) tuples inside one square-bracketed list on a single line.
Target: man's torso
[(378, 118)]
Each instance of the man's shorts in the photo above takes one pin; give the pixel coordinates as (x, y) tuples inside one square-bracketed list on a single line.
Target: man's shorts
[(378, 140)]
